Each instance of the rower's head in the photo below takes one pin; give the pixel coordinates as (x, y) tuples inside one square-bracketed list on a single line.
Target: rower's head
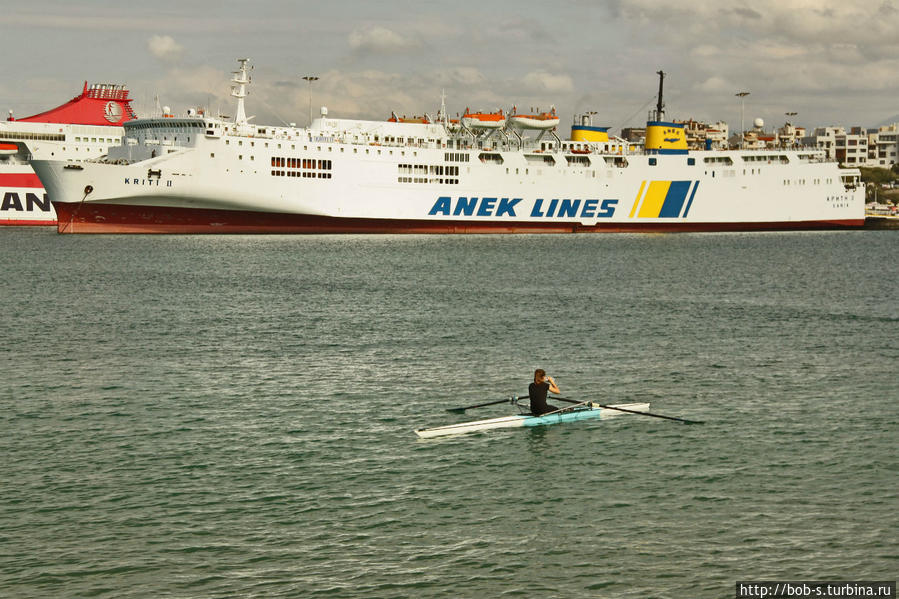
[(539, 375)]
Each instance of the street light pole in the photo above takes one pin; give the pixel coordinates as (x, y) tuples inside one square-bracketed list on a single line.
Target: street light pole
[(310, 79), (742, 96)]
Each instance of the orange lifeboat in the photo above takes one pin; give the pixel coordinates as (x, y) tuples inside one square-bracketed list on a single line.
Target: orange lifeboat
[(484, 120), (539, 120), (423, 120), (8, 149)]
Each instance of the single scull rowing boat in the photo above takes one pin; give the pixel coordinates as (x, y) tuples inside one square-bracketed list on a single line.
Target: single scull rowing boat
[(584, 412)]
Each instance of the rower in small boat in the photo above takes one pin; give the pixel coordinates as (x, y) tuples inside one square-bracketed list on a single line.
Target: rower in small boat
[(538, 390)]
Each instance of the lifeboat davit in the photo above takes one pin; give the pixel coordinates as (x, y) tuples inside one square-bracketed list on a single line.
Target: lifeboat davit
[(8, 149), (539, 120), (484, 120)]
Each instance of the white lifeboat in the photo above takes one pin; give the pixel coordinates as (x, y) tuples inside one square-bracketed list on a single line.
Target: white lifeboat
[(484, 120), (539, 120)]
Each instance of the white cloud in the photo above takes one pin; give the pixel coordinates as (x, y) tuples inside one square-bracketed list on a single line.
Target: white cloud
[(165, 48), (466, 76), (543, 81), (380, 40), (716, 85)]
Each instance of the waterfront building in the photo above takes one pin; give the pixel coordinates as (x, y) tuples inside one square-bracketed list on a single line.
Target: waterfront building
[(884, 146)]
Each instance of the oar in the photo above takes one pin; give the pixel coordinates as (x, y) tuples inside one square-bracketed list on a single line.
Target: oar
[(566, 408), (481, 405), (684, 420)]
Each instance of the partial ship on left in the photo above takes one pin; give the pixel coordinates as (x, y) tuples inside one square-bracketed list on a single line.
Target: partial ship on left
[(84, 127)]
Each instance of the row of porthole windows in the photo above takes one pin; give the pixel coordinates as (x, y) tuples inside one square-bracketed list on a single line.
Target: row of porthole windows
[(319, 148), (301, 174), (789, 182), (438, 180)]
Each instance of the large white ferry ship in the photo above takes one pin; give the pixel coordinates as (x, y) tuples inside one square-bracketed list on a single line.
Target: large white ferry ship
[(84, 127), (487, 173)]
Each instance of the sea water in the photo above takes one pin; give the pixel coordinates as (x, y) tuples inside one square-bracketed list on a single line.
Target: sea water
[(232, 416)]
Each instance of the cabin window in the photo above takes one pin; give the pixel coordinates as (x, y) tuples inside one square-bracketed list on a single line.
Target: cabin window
[(691, 162), (652, 162)]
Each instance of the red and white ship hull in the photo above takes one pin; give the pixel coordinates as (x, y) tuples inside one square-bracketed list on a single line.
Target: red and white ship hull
[(23, 200), (112, 218), (184, 193)]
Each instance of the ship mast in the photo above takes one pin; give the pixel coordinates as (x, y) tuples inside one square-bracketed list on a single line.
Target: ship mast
[(660, 105), (441, 116), (239, 89)]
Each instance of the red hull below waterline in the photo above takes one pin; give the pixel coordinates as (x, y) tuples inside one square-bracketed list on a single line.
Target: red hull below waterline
[(111, 218), (28, 223)]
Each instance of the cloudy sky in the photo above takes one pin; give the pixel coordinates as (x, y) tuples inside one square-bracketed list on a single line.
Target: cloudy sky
[(831, 61)]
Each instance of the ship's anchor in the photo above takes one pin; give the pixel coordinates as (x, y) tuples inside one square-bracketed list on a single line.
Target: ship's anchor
[(87, 190)]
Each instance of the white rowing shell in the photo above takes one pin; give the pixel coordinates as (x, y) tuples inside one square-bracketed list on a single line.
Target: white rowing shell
[(520, 420)]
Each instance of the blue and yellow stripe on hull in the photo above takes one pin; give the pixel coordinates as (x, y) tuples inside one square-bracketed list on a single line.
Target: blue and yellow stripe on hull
[(664, 199)]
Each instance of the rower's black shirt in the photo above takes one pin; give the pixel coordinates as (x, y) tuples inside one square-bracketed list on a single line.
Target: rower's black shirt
[(537, 393)]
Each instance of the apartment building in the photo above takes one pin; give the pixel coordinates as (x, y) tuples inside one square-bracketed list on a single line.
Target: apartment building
[(883, 146), (849, 148)]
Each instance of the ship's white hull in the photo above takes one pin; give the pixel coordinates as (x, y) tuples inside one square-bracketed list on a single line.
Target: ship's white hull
[(361, 188)]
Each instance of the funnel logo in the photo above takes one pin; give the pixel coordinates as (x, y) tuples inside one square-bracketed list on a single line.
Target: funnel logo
[(112, 112)]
